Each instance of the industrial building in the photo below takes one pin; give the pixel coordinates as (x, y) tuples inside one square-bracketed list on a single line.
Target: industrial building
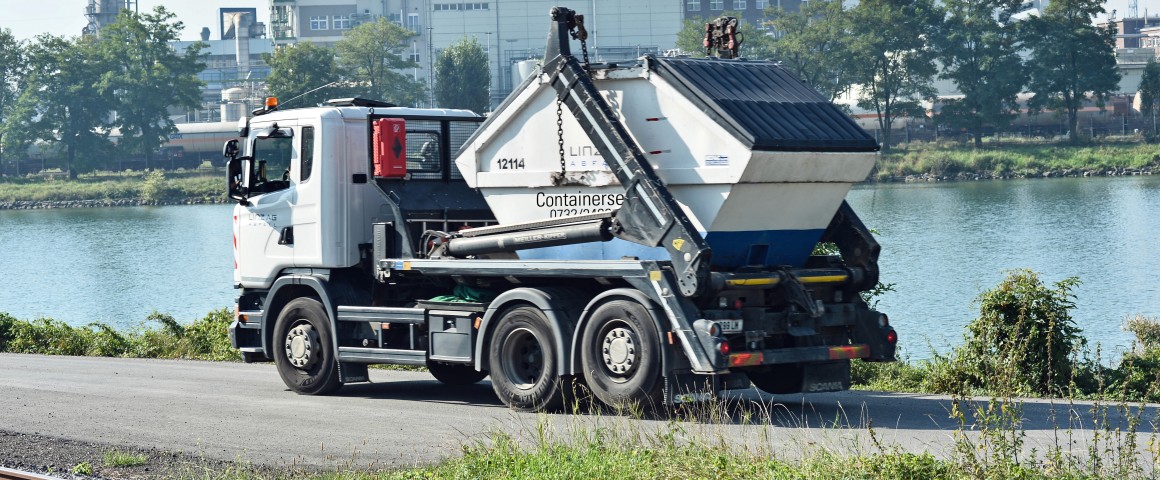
[(511, 31)]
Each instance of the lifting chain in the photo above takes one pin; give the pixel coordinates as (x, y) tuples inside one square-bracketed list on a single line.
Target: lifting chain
[(560, 132), (578, 32), (584, 48)]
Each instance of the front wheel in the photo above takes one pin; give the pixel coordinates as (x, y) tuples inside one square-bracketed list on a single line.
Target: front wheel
[(303, 348), (522, 361), (621, 356)]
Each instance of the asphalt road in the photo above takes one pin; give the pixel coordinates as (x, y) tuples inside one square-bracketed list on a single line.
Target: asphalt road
[(231, 411)]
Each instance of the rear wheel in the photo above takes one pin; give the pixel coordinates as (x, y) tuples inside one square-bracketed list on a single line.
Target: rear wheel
[(621, 355), (455, 373), (303, 348), (522, 361)]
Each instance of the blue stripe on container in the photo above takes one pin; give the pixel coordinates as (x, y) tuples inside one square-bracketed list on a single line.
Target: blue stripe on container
[(781, 247)]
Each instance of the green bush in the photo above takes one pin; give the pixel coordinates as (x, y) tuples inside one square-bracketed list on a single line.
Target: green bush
[(155, 188), (1024, 340), (206, 338), (209, 337), (1137, 377)]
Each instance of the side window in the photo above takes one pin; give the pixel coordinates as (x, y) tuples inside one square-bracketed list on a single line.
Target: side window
[(272, 159), (423, 151), (307, 154)]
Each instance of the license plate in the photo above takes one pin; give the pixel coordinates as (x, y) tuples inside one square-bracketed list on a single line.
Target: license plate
[(730, 326)]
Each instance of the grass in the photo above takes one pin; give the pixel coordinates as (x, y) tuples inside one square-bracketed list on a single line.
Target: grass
[(200, 185), (83, 468), (118, 458), (1015, 160), (705, 442)]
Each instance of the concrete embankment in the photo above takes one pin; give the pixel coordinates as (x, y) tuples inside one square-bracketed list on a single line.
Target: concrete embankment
[(127, 202), (968, 176)]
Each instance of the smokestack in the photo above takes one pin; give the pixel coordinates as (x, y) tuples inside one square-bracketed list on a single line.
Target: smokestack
[(240, 21)]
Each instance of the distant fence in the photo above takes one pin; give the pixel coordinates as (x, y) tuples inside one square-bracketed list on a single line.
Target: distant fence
[(1028, 133)]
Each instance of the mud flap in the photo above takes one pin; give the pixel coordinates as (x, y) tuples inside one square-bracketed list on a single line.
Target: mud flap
[(826, 377), (690, 387), (352, 372)]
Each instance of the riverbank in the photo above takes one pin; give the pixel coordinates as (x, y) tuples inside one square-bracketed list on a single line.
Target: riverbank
[(113, 189), (130, 202), (956, 162)]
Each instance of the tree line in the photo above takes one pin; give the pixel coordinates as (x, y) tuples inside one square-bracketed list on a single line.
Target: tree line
[(890, 52), (72, 93), (371, 61)]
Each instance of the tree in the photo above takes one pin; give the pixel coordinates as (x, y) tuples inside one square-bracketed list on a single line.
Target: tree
[(299, 68), (462, 77), (11, 71), (146, 77), (979, 52), (814, 42), (893, 63), (1071, 59), (370, 55), (60, 102), (1150, 92)]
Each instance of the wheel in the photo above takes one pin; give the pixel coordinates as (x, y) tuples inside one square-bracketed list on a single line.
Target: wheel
[(303, 348), (522, 361), (455, 373), (621, 357), (778, 380)]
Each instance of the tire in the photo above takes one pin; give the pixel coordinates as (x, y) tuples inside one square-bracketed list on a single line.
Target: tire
[(455, 373), (522, 361), (621, 356), (779, 380), (303, 348)]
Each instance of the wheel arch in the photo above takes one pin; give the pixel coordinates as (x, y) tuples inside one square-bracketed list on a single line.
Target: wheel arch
[(560, 305), (654, 311), (284, 290)]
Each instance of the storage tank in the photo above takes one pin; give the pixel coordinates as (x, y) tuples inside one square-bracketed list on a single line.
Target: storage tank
[(233, 104), (523, 69)]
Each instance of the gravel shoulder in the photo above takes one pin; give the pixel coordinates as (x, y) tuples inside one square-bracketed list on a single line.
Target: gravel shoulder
[(58, 457)]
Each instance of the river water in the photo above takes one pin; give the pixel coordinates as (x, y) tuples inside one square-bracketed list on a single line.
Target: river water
[(945, 243), (942, 244)]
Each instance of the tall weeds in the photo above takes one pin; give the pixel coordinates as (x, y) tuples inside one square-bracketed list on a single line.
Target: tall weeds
[(206, 338)]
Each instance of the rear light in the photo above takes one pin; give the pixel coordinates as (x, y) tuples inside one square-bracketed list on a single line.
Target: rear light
[(737, 304), (892, 337), (723, 347)]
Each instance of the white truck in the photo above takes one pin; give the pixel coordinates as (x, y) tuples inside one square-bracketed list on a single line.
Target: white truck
[(642, 233)]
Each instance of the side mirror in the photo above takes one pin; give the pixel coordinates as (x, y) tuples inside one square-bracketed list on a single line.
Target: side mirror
[(238, 173), (230, 150)]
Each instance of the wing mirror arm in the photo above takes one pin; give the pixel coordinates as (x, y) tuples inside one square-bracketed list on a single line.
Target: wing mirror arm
[(238, 173)]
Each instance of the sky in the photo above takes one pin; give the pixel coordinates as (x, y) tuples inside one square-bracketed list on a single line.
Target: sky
[(29, 18)]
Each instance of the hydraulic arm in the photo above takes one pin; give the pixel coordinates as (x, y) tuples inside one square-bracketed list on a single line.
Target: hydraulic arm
[(649, 216)]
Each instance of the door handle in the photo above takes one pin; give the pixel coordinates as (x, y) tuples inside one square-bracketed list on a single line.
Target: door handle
[(287, 236)]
